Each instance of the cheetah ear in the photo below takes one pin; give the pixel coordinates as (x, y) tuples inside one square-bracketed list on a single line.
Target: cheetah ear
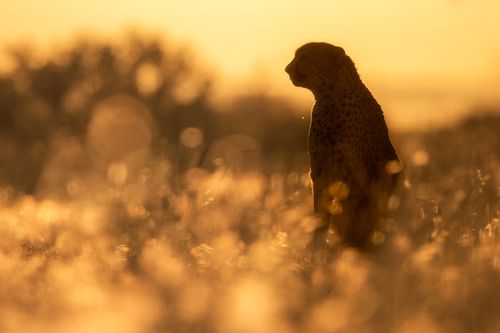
[(335, 58), (338, 55)]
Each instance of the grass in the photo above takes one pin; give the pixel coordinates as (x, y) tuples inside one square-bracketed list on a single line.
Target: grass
[(225, 250)]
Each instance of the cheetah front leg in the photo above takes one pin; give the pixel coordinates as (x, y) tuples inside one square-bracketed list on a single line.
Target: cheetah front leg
[(321, 251)]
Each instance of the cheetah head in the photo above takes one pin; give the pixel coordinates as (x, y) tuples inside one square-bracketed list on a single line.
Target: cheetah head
[(316, 65)]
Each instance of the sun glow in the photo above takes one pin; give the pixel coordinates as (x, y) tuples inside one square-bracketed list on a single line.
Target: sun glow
[(439, 53)]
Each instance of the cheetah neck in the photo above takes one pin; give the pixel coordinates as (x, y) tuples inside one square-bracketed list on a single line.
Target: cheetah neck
[(345, 80)]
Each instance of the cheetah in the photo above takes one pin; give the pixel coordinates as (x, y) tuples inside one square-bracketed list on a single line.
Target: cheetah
[(354, 166)]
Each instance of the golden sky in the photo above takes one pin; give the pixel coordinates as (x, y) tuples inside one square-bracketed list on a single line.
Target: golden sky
[(425, 61)]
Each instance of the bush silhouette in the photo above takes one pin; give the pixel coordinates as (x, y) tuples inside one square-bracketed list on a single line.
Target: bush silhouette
[(44, 100)]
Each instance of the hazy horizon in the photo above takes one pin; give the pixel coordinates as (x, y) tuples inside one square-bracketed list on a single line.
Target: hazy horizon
[(427, 63)]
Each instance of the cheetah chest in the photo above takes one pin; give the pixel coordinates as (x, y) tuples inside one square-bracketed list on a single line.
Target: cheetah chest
[(326, 139)]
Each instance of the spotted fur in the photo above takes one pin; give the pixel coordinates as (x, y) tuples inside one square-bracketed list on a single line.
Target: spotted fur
[(349, 147)]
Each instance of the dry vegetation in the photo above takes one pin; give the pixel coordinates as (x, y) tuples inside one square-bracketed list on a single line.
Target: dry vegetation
[(184, 225)]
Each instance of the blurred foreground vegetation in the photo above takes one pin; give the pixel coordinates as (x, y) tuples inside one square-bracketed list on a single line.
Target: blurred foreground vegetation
[(129, 203)]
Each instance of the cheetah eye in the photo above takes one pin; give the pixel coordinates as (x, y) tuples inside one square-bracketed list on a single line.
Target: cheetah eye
[(304, 65), (305, 58)]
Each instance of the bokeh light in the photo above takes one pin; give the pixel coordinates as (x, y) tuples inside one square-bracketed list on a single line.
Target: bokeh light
[(120, 131), (191, 137), (131, 202)]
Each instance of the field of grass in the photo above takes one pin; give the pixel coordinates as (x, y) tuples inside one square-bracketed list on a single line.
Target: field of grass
[(223, 249), (129, 204)]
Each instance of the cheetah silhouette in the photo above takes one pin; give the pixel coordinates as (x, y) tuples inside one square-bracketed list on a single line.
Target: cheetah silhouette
[(354, 167)]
